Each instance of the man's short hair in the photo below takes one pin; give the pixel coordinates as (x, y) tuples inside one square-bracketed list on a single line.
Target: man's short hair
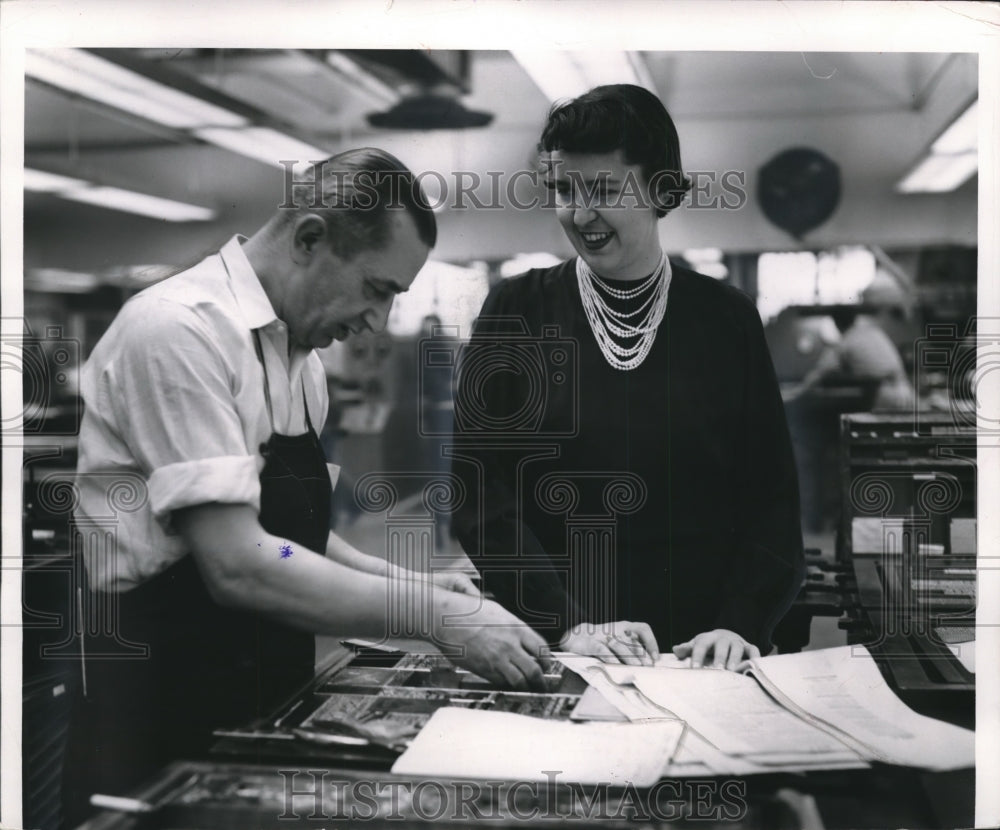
[(354, 192), (627, 118)]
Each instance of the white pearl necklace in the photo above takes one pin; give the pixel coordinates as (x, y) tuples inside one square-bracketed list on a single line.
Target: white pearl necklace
[(624, 293), (606, 321)]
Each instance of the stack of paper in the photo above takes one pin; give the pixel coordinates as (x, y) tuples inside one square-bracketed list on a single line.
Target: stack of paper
[(841, 690), (820, 709), (479, 743)]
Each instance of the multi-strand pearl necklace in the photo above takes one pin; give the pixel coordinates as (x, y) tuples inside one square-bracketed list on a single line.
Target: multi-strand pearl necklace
[(606, 321)]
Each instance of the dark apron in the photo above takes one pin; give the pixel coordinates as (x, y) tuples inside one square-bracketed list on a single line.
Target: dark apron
[(208, 666)]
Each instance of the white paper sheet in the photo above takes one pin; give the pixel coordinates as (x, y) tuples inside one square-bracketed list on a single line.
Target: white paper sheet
[(843, 687), (614, 682), (733, 712), (477, 743), (696, 755), (593, 706), (966, 654)]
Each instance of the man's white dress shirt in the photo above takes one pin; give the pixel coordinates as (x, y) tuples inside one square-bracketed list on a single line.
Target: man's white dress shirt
[(176, 413)]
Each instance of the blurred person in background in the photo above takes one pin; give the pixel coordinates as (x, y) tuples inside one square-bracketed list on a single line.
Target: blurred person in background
[(863, 353)]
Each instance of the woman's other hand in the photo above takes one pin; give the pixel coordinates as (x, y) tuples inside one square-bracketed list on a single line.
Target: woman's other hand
[(626, 642), (727, 649)]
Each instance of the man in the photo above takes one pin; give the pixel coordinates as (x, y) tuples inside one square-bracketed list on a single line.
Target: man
[(207, 390)]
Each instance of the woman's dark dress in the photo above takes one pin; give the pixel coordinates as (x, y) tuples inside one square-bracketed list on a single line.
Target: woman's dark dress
[(665, 494)]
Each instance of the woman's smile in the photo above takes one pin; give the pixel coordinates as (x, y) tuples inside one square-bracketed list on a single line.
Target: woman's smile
[(595, 240)]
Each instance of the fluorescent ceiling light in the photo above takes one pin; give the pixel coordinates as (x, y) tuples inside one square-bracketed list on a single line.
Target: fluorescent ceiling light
[(361, 78), (140, 203), (92, 77), (961, 136), (952, 159), (43, 182), (61, 280), (115, 198), (940, 173), (566, 74), (264, 144)]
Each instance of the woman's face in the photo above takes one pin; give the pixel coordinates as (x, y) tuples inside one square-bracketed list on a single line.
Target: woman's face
[(605, 210)]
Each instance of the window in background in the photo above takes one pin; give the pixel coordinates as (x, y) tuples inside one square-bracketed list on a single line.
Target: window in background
[(843, 274), (803, 278), (707, 261), (525, 262), (453, 293), (785, 279)]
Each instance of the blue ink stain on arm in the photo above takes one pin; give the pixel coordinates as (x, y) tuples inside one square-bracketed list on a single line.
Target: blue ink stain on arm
[(286, 551)]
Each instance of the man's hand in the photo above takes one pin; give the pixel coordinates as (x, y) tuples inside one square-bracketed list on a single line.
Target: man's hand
[(455, 581), (626, 642), (728, 649), (494, 644)]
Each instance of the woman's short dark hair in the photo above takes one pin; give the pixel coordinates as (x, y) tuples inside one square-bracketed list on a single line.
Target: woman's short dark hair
[(354, 191), (627, 118)]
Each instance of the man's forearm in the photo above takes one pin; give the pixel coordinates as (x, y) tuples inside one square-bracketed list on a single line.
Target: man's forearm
[(247, 568), (313, 593), (339, 550)]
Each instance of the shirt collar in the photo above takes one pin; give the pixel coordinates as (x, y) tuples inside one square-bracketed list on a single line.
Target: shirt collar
[(250, 296)]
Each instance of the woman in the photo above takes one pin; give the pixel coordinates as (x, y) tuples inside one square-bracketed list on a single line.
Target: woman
[(643, 492)]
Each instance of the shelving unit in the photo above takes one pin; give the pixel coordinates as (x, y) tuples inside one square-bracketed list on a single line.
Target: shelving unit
[(907, 532)]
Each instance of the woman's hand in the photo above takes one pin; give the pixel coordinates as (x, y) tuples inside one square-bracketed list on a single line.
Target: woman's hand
[(455, 581), (626, 642), (728, 649)]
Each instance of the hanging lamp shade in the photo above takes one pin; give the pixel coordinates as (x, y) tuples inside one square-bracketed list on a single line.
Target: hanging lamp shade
[(798, 190)]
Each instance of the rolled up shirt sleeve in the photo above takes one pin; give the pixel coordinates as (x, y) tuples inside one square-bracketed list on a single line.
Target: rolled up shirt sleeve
[(173, 396), (230, 479)]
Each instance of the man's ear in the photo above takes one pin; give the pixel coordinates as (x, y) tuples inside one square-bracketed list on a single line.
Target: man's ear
[(308, 232)]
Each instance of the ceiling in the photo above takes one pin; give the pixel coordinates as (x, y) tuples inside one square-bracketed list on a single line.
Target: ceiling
[(873, 113)]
